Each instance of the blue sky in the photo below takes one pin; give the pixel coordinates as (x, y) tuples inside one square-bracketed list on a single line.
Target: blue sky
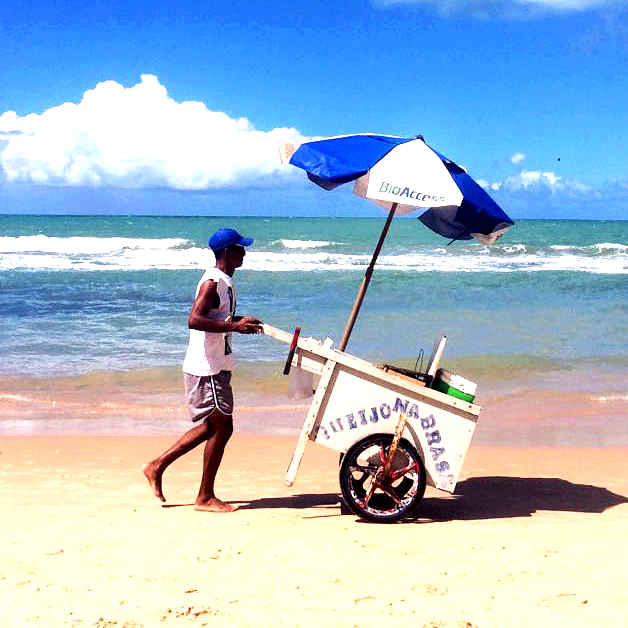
[(176, 107)]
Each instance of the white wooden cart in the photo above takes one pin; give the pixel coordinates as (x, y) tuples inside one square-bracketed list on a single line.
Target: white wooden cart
[(395, 433)]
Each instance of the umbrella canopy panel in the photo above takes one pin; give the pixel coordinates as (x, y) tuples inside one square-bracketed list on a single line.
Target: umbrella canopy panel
[(413, 177), (336, 160)]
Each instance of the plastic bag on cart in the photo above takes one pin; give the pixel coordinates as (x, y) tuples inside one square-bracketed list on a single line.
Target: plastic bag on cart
[(300, 384), (399, 461)]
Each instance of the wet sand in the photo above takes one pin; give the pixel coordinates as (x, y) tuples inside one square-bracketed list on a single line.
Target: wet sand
[(515, 412)]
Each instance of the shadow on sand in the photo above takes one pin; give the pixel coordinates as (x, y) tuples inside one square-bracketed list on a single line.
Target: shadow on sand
[(499, 497), (313, 500), (480, 498)]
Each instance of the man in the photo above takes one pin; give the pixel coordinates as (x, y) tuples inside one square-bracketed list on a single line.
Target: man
[(207, 369)]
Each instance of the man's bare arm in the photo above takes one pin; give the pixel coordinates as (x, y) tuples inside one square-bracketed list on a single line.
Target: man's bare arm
[(205, 301)]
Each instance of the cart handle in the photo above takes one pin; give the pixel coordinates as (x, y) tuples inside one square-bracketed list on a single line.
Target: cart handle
[(293, 347)]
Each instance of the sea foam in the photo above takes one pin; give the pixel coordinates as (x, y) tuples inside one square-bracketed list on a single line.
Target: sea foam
[(304, 244), (44, 253)]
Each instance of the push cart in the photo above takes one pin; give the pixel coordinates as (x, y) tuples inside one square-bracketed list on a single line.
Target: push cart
[(397, 430)]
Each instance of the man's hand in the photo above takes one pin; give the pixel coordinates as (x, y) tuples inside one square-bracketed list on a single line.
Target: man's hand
[(247, 325)]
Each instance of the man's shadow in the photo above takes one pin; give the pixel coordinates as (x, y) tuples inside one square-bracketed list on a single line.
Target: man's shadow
[(479, 498), (301, 501)]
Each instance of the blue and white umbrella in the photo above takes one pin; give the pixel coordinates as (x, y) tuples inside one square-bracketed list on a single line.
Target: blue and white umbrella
[(402, 175), (409, 175)]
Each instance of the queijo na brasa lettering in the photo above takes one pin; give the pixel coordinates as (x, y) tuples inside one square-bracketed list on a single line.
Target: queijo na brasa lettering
[(397, 190), (383, 412)]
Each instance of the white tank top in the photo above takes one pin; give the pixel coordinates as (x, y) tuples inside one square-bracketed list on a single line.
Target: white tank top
[(209, 353)]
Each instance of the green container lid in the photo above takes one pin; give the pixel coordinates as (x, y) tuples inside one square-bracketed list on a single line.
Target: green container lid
[(444, 387)]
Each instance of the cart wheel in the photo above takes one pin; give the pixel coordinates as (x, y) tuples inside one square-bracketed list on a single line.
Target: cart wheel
[(374, 497)]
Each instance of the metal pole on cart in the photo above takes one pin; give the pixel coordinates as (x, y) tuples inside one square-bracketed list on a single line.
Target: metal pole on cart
[(365, 281)]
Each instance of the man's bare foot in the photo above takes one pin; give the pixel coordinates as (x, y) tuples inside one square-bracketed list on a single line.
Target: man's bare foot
[(214, 505), (154, 479)]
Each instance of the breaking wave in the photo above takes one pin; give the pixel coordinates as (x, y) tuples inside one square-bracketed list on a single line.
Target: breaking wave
[(44, 253)]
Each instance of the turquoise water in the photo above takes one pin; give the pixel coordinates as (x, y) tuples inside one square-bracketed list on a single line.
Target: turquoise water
[(80, 294)]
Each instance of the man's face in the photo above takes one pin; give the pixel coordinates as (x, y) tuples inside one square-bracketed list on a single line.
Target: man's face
[(236, 255)]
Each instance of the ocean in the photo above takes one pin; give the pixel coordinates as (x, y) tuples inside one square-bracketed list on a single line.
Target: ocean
[(86, 301)]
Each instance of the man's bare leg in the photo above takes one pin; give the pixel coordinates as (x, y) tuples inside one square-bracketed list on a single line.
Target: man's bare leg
[(154, 470), (221, 428)]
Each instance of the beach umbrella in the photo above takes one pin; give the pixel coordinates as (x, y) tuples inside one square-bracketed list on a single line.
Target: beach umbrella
[(402, 175)]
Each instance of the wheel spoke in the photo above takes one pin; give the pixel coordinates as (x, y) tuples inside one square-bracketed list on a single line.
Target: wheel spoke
[(399, 473), (367, 474), (367, 497), (390, 493), (366, 469), (382, 454)]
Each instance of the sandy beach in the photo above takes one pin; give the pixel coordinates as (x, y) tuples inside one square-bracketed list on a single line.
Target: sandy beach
[(533, 536)]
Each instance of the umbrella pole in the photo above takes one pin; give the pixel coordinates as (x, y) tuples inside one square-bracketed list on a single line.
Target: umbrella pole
[(365, 282)]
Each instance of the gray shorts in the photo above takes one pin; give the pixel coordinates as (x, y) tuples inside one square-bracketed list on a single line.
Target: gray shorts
[(205, 393)]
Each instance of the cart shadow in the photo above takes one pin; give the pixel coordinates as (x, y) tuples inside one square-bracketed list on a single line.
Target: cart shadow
[(500, 497)]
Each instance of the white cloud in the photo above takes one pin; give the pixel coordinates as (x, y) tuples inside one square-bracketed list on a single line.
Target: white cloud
[(139, 137), (537, 181), (549, 181), (545, 194), (488, 185), (570, 5), (536, 194), (517, 158), (507, 8)]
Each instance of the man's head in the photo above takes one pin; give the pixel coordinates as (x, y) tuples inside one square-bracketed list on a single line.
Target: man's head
[(228, 247), (224, 239)]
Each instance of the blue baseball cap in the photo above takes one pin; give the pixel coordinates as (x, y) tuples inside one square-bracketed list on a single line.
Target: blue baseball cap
[(224, 238)]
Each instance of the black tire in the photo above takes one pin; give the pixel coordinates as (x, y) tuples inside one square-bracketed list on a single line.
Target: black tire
[(391, 499)]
